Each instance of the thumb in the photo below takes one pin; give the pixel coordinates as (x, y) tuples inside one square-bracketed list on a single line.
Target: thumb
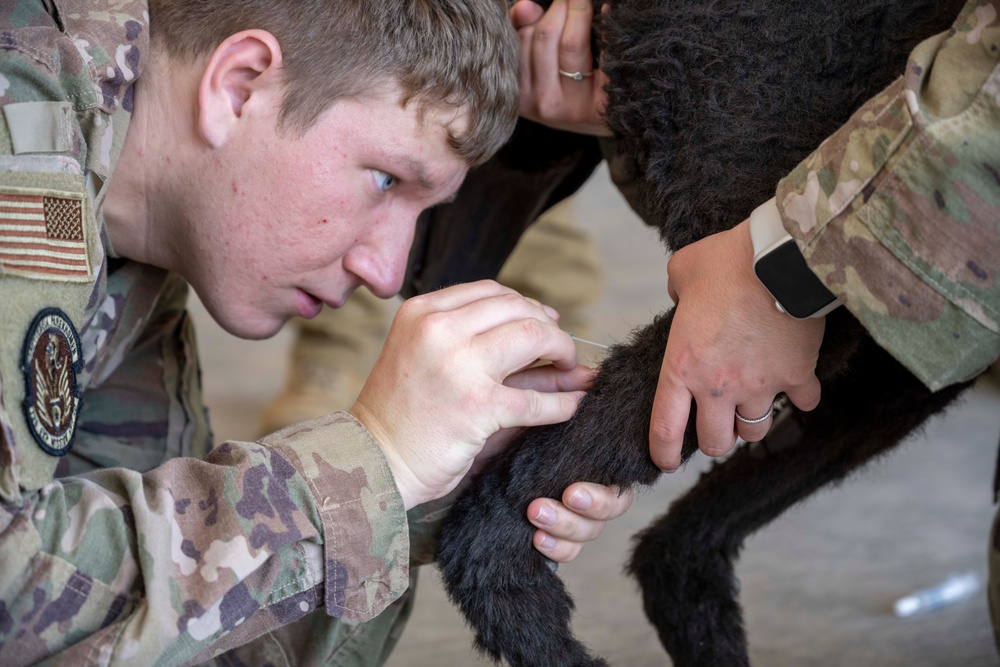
[(525, 13), (527, 407)]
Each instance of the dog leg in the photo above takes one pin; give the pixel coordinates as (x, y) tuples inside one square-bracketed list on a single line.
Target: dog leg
[(517, 606), (684, 561)]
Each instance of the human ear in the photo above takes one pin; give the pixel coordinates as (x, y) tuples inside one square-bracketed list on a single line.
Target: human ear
[(241, 75)]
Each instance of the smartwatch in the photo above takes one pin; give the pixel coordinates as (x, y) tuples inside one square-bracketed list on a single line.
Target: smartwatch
[(781, 268)]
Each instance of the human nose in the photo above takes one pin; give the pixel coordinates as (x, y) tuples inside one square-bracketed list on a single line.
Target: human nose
[(380, 260)]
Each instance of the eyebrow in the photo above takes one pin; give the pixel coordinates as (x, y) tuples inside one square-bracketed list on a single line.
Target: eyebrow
[(417, 168)]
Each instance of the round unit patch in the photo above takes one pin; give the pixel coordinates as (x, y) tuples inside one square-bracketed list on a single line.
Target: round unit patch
[(51, 361)]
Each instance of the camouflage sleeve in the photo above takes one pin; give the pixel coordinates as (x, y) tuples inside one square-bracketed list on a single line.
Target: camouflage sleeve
[(197, 556), (899, 211)]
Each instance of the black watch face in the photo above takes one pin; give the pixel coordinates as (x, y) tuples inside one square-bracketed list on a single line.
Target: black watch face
[(788, 278)]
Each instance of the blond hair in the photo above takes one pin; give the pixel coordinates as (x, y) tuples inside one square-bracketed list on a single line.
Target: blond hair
[(456, 55)]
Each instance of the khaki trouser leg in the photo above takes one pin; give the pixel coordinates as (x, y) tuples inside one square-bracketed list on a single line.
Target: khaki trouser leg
[(557, 263)]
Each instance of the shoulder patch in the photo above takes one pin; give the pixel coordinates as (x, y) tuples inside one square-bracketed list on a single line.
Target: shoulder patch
[(50, 361), (43, 235)]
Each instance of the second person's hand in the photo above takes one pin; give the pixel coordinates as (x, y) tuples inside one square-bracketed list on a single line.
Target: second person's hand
[(560, 87), (730, 350)]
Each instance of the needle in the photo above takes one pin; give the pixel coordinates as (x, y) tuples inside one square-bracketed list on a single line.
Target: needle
[(588, 342)]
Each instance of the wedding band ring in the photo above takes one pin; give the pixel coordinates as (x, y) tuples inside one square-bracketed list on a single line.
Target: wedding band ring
[(576, 76), (764, 417)]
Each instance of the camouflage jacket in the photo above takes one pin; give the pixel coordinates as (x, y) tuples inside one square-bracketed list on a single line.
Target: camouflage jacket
[(178, 553), (899, 211)]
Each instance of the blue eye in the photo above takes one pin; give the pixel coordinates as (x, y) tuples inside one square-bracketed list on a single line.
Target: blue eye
[(383, 181)]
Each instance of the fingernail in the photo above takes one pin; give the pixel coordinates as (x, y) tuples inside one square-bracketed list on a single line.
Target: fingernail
[(550, 311), (547, 541), (580, 500), (545, 516)]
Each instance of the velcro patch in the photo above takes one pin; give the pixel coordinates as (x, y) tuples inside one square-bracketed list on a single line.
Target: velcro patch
[(50, 362), (43, 235)]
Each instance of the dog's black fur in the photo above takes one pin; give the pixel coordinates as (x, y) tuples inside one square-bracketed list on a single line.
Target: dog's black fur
[(713, 102)]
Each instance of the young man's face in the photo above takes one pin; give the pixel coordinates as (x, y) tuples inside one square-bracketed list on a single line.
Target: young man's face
[(288, 223)]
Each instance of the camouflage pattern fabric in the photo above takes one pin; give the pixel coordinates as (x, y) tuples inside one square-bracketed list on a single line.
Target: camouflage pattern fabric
[(124, 540), (899, 211)]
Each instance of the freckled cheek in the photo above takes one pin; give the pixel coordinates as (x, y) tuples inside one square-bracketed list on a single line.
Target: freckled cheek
[(314, 252)]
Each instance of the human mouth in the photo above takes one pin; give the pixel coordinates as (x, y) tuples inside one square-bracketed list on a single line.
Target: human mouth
[(307, 305), (333, 299)]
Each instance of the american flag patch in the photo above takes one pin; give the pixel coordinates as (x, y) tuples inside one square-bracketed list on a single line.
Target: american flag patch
[(42, 236)]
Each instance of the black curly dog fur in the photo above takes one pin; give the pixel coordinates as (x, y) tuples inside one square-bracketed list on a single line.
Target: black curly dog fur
[(713, 102)]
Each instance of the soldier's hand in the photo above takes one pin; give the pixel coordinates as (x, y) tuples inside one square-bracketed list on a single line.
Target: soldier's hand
[(564, 527), (554, 46), (437, 391), (729, 349)]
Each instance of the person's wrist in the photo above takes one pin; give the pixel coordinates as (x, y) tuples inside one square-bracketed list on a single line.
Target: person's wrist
[(778, 265), (409, 487), (759, 302)]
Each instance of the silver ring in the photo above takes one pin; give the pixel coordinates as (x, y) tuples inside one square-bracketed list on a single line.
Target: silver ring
[(764, 417), (576, 76)]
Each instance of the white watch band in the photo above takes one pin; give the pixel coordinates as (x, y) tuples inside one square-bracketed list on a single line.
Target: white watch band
[(766, 230), (767, 234)]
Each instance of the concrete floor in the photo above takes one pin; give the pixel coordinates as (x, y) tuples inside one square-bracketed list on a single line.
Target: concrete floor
[(817, 586)]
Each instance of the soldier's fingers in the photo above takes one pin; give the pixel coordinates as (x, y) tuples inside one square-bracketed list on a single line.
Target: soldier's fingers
[(524, 13), (597, 501), (549, 378), (512, 346), (716, 431), (753, 419), (456, 296), (806, 397), (671, 408), (491, 313), (574, 45), (545, 46), (559, 522), (561, 551), (526, 407)]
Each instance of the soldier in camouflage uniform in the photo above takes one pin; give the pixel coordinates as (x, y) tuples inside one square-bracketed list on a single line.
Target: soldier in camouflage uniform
[(898, 214), (256, 153)]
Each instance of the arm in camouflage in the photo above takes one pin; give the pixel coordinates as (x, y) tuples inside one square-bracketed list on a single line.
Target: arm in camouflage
[(198, 556), (194, 556), (899, 211)]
